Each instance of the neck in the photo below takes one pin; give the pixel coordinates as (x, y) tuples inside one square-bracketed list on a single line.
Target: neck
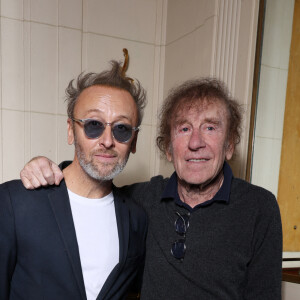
[(194, 194), (82, 184)]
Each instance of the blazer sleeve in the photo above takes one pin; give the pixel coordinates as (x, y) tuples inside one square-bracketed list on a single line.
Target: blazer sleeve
[(7, 242)]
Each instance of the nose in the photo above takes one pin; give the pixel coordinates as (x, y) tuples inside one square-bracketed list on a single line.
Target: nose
[(196, 140), (106, 139)]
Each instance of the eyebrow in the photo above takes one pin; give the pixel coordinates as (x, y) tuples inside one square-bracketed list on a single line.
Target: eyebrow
[(213, 121), (206, 120), (94, 110)]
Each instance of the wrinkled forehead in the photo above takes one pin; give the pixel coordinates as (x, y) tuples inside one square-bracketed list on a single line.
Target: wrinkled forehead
[(187, 106)]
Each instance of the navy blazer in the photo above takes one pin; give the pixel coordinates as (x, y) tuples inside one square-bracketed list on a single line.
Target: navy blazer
[(39, 256)]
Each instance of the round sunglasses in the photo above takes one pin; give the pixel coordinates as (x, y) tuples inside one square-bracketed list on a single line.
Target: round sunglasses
[(93, 129)]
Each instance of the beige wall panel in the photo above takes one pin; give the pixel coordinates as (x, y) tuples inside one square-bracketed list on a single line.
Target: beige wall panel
[(289, 176)]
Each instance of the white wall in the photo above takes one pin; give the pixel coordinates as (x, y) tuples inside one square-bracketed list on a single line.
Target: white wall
[(46, 43), (213, 38), (40, 52), (272, 93), (290, 291)]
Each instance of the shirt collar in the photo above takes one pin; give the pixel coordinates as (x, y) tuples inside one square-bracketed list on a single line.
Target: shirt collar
[(223, 194)]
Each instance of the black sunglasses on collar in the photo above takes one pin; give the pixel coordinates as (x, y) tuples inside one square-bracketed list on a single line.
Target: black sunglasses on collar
[(181, 225), (93, 129)]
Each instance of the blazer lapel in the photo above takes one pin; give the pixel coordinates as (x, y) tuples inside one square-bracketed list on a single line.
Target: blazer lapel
[(122, 216), (59, 201)]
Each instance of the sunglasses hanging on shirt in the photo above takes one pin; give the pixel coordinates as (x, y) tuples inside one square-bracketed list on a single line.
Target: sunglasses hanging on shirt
[(181, 225)]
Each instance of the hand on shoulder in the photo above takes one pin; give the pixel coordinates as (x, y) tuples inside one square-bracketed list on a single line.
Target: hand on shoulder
[(40, 171)]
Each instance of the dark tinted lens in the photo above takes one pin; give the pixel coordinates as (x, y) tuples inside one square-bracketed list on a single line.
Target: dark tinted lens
[(122, 132), (93, 129), (178, 249), (182, 224)]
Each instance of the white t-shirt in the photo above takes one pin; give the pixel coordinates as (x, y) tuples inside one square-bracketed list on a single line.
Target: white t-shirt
[(97, 237)]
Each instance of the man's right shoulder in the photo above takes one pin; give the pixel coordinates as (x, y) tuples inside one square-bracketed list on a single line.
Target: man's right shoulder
[(13, 185), (15, 190), (11, 193)]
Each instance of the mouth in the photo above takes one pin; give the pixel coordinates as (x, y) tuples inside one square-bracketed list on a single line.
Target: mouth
[(197, 159), (105, 157)]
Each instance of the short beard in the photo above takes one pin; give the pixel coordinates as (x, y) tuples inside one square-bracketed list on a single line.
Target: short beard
[(92, 170)]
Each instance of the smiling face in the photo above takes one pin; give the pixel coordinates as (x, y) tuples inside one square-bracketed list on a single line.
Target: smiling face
[(103, 158), (199, 141)]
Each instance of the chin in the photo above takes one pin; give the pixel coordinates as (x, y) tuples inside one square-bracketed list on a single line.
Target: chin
[(194, 181)]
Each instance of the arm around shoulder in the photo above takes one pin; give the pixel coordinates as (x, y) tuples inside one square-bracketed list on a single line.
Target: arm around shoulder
[(40, 171)]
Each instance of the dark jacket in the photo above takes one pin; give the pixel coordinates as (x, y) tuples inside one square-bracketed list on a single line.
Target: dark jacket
[(39, 256)]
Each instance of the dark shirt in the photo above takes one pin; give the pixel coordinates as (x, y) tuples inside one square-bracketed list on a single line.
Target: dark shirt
[(171, 190), (233, 242)]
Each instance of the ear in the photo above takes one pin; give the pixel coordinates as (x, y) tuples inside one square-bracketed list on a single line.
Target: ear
[(169, 154), (70, 132), (133, 144), (229, 151)]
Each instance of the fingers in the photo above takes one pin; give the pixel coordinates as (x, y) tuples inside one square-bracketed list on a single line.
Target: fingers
[(44, 174), (30, 181), (31, 175), (40, 171), (26, 182), (58, 175)]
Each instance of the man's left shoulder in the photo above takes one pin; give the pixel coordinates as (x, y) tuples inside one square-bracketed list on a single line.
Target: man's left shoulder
[(253, 194)]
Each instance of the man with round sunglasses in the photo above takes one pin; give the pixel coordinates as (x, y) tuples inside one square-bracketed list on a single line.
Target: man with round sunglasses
[(211, 235), (83, 239)]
